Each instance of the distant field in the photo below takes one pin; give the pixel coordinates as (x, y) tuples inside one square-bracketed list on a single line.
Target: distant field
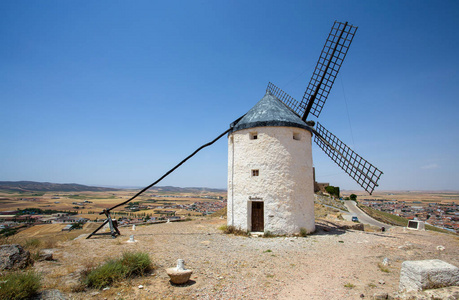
[(100, 200), (409, 196)]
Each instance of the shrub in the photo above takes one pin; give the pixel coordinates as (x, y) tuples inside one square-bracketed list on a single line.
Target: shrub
[(233, 230), (223, 227), (268, 234), (303, 232), (32, 243), (131, 264), (383, 268), (77, 225), (8, 232), (110, 272), (136, 263), (19, 285), (349, 285)]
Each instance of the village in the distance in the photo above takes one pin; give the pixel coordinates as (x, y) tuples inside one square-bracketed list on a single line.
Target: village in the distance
[(24, 208)]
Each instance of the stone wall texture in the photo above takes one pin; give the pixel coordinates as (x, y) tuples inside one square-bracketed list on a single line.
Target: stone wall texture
[(284, 184), (420, 275)]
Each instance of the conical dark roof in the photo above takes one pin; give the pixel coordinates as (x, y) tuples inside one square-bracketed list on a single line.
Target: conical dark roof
[(269, 111)]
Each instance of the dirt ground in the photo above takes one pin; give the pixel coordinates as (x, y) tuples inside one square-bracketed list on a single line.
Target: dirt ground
[(330, 264)]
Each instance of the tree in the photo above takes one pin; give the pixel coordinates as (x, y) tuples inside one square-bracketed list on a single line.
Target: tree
[(333, 190), (353, 197)]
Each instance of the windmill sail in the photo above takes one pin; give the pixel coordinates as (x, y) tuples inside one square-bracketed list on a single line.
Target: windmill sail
[(327, 68), (363, 172), (291, 103)]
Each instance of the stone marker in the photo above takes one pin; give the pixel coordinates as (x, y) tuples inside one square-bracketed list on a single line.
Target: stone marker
[(131, 239), (133, 227), (416, 225), (427, 274), (14, 257), (179, 274)]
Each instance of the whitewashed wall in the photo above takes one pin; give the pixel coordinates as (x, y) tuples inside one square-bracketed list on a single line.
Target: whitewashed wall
[(284, 184)]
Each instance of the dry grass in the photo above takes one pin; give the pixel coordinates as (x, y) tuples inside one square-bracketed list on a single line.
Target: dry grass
[(233, 230), (383, 268), (19, 285), (113, 271)]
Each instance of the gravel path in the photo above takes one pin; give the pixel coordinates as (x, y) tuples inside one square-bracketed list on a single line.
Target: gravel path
[(331, 264)]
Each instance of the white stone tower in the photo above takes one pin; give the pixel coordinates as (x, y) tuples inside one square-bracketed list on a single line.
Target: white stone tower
[(270, 175)]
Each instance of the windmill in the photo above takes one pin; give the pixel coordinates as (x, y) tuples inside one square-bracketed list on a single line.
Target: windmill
[(273, 141), (270, 177)]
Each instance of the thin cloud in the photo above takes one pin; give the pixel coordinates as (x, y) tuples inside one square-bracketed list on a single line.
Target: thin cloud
[(430, 167)]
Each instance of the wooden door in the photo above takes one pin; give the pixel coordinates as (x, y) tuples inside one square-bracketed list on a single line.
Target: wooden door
[(258, 222)]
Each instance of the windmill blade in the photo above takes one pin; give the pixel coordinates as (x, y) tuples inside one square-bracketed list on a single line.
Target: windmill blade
[(363, 172), (291, 103), (327, 68)]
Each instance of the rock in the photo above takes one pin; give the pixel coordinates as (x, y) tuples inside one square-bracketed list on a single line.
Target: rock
[(447, 293), (179, 274), (427, 274), (51, 295), (14, 257), (45, 254), (382, 282), (440, 248), (385, 262), (407, 246), (380, 296), (140, 286), (357, 226)]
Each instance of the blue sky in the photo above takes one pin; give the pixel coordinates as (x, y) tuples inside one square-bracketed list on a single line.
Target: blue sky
[(118, 92)]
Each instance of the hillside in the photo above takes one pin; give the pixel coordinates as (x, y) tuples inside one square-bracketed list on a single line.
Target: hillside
[(32, 186), (172, 189)]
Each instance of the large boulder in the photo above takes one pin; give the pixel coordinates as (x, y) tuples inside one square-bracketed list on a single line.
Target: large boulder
[(427, 274), (14, 257)]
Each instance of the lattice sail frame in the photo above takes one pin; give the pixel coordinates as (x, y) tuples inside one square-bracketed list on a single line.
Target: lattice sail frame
[(327, 68), (363, 172), (291, 103)]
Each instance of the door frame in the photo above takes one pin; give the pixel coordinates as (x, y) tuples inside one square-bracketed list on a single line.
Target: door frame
[(260, 218)]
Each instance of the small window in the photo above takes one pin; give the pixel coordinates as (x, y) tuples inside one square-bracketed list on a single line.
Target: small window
[(296, 136), (231, 140), (253, 136), (255, 172)]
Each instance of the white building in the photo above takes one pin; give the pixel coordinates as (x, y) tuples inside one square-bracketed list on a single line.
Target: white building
[(270, 175)]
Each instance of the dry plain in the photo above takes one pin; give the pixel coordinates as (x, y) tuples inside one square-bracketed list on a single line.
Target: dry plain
[(332, 263), (99, 201)]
